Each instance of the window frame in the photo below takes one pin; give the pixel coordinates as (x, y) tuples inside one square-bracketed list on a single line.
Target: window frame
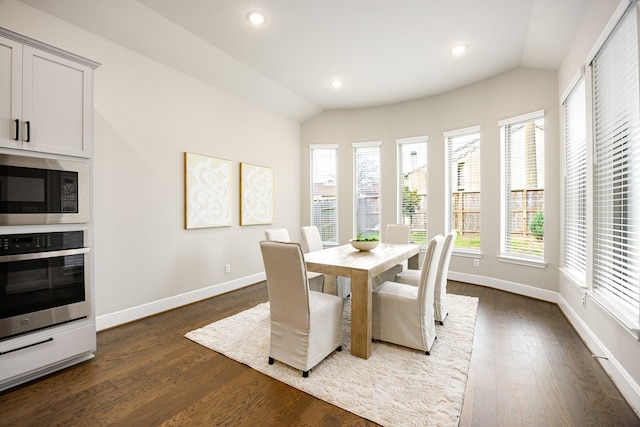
[(449, 138), (400, 145), (505, 183), (575, 182), (313, 148), (356, 146), (625, 312)]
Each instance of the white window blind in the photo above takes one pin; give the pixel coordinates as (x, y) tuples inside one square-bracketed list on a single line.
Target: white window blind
[(463, 184), (412, 186), (616, 183), (575, 182), (366, 189), (523, 186), (324, 191)]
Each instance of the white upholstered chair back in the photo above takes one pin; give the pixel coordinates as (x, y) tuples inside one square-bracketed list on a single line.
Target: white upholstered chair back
[(316, 280), (398, 233), (402, 313), (306, 326), (277, 234), (311, 239), (440, 302)]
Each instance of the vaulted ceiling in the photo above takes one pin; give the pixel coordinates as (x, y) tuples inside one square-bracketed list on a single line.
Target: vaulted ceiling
[(383, 51)]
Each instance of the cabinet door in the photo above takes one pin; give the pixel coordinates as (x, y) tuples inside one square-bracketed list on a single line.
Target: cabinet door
[(56, 104), (10, 92)]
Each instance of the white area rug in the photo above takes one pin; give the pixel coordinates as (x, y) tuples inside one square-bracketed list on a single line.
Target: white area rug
[(396, 386)]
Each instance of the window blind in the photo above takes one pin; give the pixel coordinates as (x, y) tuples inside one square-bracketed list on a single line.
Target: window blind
[(366, 189), (523, 186), (324, 191), (616, 166), (463, 186), (575, 182), (412, 186)]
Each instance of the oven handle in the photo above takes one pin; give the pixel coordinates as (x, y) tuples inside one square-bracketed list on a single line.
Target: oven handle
[(43, 255)]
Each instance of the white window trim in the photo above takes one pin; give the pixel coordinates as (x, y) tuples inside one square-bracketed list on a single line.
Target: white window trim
[(521, 118), (469, 253), (463, 131), (403, 141), (504, 256), (366, 144), (323, 146), (522, 260), (608, 29)]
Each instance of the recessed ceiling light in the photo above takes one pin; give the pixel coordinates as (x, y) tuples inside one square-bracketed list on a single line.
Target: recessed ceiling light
[(458, 49), (256, 18), (336, 84)]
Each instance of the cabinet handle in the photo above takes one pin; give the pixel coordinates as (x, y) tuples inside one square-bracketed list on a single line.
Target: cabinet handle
[(17, 138), (28, 131), (25, 346)]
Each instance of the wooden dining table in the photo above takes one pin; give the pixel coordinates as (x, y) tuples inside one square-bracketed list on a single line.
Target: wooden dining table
[(361, 268)]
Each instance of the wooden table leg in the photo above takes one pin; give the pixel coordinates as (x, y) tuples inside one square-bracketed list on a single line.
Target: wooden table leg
[(414, 262), (361, 313)]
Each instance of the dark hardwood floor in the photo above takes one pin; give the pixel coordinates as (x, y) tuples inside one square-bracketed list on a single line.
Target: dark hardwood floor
[(528, 368)]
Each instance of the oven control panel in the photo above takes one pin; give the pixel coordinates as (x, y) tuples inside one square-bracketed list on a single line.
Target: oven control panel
[(13, 244)]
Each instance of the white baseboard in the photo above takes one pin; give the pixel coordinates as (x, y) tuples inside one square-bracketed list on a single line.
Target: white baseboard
[(625, 383), (503, 285), (110, 320), (627, 386)]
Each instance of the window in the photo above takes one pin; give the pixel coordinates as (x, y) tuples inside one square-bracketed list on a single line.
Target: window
[(324, 191), (412, 186), (575, 183), (463, 186), (523, 186), (366, 189), (616, 171)]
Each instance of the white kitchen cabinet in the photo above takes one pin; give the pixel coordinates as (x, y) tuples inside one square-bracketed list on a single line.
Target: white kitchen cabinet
[(46, 97), (40, 353)]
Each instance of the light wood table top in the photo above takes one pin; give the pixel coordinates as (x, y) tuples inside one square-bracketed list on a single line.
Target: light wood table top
[(361, 267)]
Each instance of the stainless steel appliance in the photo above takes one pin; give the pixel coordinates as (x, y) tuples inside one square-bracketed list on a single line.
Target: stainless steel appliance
[(44, 280), (37, 190)]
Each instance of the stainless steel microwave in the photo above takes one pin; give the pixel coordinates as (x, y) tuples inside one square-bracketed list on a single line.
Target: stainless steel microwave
[(37, 190)]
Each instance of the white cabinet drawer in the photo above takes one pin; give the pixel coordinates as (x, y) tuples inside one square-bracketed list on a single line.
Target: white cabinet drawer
[(42, 351)]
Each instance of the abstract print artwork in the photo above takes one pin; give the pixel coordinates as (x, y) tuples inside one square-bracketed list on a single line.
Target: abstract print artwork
[(256, 194), (208, 198)]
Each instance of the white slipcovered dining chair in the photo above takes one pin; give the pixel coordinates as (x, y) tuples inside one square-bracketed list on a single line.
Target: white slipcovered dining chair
[(412, 277), (311, 242), (277, 235), (396, 233), (316, 280), (402, 313), (306, 326)]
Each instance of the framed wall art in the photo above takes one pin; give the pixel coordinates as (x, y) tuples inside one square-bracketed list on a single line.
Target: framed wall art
[(207, 193), (256, 194)]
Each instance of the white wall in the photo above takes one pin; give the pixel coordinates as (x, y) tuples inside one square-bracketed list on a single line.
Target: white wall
[(513, 93), (604, 335), (146, 116)]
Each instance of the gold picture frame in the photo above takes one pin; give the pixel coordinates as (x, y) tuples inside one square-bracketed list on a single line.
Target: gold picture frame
[(256, 194), (208, 192)]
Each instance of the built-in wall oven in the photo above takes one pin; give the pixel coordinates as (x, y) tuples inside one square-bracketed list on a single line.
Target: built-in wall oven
[(44, 280), (36, 190)]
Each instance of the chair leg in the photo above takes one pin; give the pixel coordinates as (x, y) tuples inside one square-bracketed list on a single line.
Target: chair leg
[(270, 360), (305, 374), (427, 353), (339, 348), (440, 322)]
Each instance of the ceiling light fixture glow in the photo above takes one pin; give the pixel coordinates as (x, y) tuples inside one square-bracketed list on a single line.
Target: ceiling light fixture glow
[(336, 84), (256, 18), (458, 49)]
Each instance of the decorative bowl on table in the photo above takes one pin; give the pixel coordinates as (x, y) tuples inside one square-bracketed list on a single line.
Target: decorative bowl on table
[(364, 245)]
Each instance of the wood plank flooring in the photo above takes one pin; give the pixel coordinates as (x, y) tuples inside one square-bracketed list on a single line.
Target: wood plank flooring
[(528, 368)]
